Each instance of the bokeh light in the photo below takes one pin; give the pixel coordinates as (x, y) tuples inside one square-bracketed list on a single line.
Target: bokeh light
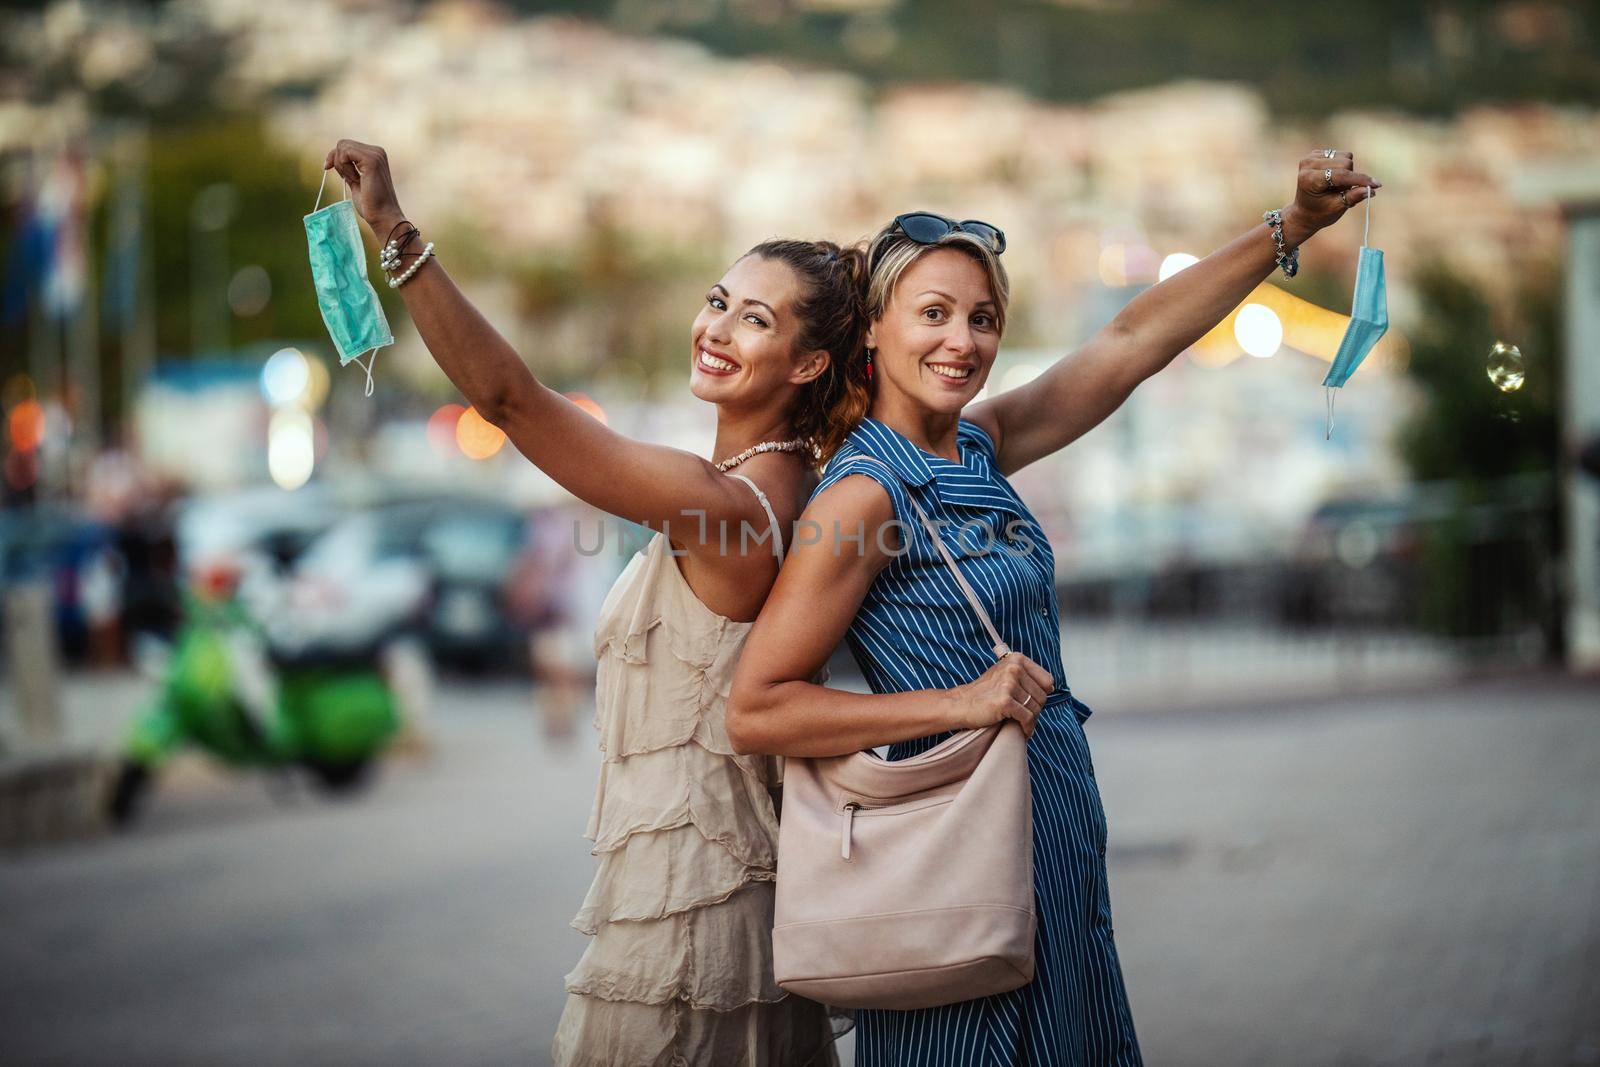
[(1174, 263), (317, 385), (1505, 367), (25, 426), (291, 447), (442, 429), (477, 437), (1307, 327), (1258, 330), (285, 376), (250, 291), (588, 404), (1123, 264)]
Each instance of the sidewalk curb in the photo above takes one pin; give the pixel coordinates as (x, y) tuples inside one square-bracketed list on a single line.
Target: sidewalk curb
[(53, 797), (1264, 704)]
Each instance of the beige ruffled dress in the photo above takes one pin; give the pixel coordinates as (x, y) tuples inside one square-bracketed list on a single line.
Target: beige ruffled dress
[(679, 971)]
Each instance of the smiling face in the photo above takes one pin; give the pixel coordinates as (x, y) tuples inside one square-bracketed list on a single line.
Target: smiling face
[(939, 332), (742, 345)]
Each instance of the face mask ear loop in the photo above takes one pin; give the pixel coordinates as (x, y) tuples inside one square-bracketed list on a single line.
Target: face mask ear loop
[(322, 187), (1328, 434), (371, 358), (1368, 227)]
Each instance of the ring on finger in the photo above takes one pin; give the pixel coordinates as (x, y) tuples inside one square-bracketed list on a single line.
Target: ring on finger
[(1327, 179), (1027, 698), (1342, 199), (1329, 153)]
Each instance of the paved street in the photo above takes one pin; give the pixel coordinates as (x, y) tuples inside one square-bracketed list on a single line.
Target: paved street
[(1374, 881)]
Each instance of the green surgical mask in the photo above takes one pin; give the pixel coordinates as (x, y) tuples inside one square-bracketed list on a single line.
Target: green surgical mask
[(349, 304)]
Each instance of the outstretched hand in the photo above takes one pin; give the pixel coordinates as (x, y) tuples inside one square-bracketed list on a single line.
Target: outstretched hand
[(1329, 186), (365, 169)]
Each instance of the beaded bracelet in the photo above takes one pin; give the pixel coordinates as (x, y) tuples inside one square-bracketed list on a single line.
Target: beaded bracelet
[(402, 222), (389, 257), (394, 251), (1288, 262), (422, 257)]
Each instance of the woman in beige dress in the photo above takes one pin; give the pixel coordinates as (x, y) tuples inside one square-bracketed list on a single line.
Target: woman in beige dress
[(679, 971)]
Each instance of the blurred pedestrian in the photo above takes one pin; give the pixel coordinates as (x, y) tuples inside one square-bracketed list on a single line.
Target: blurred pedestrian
[(556, 592), (100, 594), (936, 307), (679, 969)]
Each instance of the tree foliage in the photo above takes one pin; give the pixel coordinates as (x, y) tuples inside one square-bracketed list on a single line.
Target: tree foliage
[(1466, 428)]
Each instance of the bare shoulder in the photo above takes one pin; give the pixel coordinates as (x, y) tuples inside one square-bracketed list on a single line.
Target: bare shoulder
[(855, 496), (853, 517), (783, 479), (986, 416)]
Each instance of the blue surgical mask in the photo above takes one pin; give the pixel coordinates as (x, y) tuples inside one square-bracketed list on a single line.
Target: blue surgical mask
[(349, 304), (1369, 317)]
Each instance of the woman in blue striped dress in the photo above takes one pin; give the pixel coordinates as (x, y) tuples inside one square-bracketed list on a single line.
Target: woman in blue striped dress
[(863, 568)]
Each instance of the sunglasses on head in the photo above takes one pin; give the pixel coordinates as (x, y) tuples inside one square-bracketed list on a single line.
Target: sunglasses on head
[(926, 228)]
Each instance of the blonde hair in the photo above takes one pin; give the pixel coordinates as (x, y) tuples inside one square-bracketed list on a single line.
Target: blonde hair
[(891, 253), (845, 397)]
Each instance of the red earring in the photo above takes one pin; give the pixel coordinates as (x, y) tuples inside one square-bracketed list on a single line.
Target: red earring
[(869, 364)]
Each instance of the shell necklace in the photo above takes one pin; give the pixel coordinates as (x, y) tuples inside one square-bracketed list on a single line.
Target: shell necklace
[(731, 462)]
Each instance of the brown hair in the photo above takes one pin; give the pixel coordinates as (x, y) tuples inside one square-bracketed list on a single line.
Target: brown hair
[(831, 317)]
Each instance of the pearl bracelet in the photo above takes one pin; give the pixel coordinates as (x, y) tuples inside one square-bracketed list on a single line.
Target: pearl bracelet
[(422, 257)]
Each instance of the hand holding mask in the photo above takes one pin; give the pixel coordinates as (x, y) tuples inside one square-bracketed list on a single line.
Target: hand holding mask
[(348, 303), (1328, 186)]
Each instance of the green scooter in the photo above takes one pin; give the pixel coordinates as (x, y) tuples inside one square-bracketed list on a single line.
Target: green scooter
[(331, 715)]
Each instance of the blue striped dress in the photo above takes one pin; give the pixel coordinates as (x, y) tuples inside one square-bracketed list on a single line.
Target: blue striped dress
[(916, 631)]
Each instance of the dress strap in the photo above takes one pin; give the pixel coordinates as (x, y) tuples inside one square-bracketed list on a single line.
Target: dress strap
[(772, 517)]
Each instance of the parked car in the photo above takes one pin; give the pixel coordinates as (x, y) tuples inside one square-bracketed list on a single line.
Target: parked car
[(1355, 561), (450, 554), (275, 523), (472, 549), (363, 582)]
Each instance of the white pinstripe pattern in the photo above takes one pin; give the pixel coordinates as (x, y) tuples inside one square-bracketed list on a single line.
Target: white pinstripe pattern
[(915, 630)]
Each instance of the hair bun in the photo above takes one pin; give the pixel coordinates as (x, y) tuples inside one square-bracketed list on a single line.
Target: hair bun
[(830, 313), (856, 257)]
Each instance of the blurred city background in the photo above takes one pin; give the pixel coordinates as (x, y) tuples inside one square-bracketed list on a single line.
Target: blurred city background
[(294, 724)]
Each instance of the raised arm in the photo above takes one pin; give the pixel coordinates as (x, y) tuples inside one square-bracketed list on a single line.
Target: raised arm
[(1082, 388), (642, 482), (773, 707)]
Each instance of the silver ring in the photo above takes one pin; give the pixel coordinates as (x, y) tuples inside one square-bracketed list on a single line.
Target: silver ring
[(1327, 179), (1329, 153), (1342, 200), (1027, 698)]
